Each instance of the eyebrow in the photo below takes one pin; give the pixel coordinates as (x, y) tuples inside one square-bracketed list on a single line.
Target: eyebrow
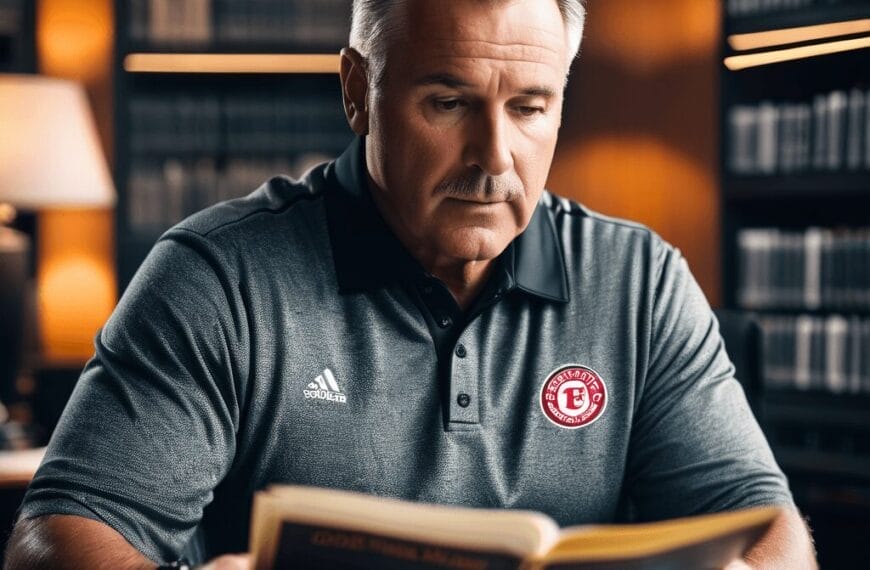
[(454, 82)]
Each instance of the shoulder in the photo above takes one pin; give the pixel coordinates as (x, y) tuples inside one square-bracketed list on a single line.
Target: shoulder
[(277, 197), (583, 231)]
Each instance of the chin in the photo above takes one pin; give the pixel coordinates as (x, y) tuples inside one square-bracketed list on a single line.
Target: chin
[(475, 244)]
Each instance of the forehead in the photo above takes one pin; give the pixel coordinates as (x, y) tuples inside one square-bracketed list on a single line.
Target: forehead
[(523, 32)]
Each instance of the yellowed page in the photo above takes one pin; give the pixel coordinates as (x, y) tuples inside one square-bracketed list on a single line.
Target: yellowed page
[(643, 540)]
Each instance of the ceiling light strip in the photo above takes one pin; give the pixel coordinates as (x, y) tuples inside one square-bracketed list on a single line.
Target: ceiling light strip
[(757, 40), (230, 63), (737, 62)]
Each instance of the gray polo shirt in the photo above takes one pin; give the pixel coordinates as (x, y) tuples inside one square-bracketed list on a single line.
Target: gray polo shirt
[(288, 337)]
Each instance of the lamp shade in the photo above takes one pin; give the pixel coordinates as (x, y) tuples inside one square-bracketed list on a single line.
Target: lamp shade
[(50, 156)]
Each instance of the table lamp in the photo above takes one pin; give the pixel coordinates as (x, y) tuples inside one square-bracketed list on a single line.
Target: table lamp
[(50, 158)]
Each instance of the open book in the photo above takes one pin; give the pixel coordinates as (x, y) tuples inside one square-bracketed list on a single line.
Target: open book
[(307, 527)]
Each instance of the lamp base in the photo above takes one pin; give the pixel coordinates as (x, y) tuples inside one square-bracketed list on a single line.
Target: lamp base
[(14, 258)]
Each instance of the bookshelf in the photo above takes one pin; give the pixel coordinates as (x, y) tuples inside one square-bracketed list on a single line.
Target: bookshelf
[(213, 98), (795, 203), (17, 36)]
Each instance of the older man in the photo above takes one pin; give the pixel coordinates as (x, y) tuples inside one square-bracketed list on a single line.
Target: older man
[(418, 319)]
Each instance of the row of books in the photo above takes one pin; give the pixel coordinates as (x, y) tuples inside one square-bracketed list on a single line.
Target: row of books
[(215, 124), (831, 133), (811, 269), (314, 23), (161, 193), (758, 7), (816, 353)]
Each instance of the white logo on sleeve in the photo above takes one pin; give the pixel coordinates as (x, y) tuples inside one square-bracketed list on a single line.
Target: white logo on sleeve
[(325, 387)]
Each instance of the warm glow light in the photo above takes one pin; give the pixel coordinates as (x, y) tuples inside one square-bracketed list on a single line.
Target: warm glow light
[(75, 281), (644, 37), (642, 178), (737, 62), (74, 41), (74, 38), (742, 42), (231, 63)]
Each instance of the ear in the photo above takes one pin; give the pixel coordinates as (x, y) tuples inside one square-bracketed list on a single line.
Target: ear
[(354, 90)]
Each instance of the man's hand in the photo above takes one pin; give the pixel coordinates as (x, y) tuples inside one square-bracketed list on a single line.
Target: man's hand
[(229, 562)]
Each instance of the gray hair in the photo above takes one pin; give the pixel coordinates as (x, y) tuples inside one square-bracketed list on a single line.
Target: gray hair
[(375, 22)]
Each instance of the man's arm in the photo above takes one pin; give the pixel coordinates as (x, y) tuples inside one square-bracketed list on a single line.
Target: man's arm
[(68, 541), (787, 544)]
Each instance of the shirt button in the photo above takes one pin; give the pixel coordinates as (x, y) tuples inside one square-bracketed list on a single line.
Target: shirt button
[(445, 322), (460, 351), (463, 400)]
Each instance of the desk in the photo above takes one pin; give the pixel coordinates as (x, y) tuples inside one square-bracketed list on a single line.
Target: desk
[(16, 471), (17, 467)]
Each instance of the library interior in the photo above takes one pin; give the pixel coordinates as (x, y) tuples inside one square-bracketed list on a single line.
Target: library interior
[(737, 130)]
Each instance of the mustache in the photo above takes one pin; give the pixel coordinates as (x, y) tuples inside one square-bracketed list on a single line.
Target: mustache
[(477, 185)]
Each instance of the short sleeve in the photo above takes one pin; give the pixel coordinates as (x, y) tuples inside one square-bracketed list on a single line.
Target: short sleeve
[(695, 445), (150, 428)]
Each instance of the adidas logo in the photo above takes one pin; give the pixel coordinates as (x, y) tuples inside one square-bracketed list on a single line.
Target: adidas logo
[(325, 387)]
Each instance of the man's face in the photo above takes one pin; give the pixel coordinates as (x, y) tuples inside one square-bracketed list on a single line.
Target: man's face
[(463, 127)]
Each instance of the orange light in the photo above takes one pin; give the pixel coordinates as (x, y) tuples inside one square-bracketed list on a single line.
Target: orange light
[(231, 63), (644, 37), (643, 178), (737, 62), (74, 38), (75, 281), (756, 40)]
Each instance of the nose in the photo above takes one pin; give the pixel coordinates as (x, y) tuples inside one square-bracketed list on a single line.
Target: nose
[(488, 147)]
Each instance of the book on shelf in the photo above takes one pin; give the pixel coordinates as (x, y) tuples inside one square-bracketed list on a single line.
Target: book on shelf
[(315, 23), (742, 8), (307, 527), (816, 268), (831, 133), (810, 352)]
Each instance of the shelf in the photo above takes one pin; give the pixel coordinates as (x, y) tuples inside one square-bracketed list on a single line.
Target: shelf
[(817, 407), (808, 16), (863, 312), (815, 185), (823, 463), (792, 53), (232, 63), (817, 33)]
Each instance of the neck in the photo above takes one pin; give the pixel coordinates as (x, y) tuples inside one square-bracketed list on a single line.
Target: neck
[(464, 279)]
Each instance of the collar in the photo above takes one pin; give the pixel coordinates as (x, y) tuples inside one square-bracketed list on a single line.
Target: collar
[(367, 255)]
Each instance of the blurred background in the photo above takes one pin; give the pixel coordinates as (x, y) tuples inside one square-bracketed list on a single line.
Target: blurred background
[(739, 130)]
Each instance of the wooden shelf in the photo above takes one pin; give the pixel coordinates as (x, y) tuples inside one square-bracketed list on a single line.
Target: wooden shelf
[(821, 312), (823, 463), (232, 63), (785, 186), (818, 408)]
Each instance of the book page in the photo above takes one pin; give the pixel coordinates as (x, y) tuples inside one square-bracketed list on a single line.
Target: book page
[(707, 541)]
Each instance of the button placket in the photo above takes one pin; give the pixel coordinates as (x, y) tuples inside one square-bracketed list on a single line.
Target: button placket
[(464, 401)]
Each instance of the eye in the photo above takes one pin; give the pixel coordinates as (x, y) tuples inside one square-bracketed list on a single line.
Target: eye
[(447, 105), (528, 111)]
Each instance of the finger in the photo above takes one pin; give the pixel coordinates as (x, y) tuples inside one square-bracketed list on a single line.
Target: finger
[(229, 562)]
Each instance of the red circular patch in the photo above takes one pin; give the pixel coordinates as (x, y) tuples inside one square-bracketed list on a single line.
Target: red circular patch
[(573, 396)]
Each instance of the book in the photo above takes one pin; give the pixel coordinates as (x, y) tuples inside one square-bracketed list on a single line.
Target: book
[(307, 527)]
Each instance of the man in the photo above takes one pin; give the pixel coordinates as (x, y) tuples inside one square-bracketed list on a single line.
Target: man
[(418, 319)]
